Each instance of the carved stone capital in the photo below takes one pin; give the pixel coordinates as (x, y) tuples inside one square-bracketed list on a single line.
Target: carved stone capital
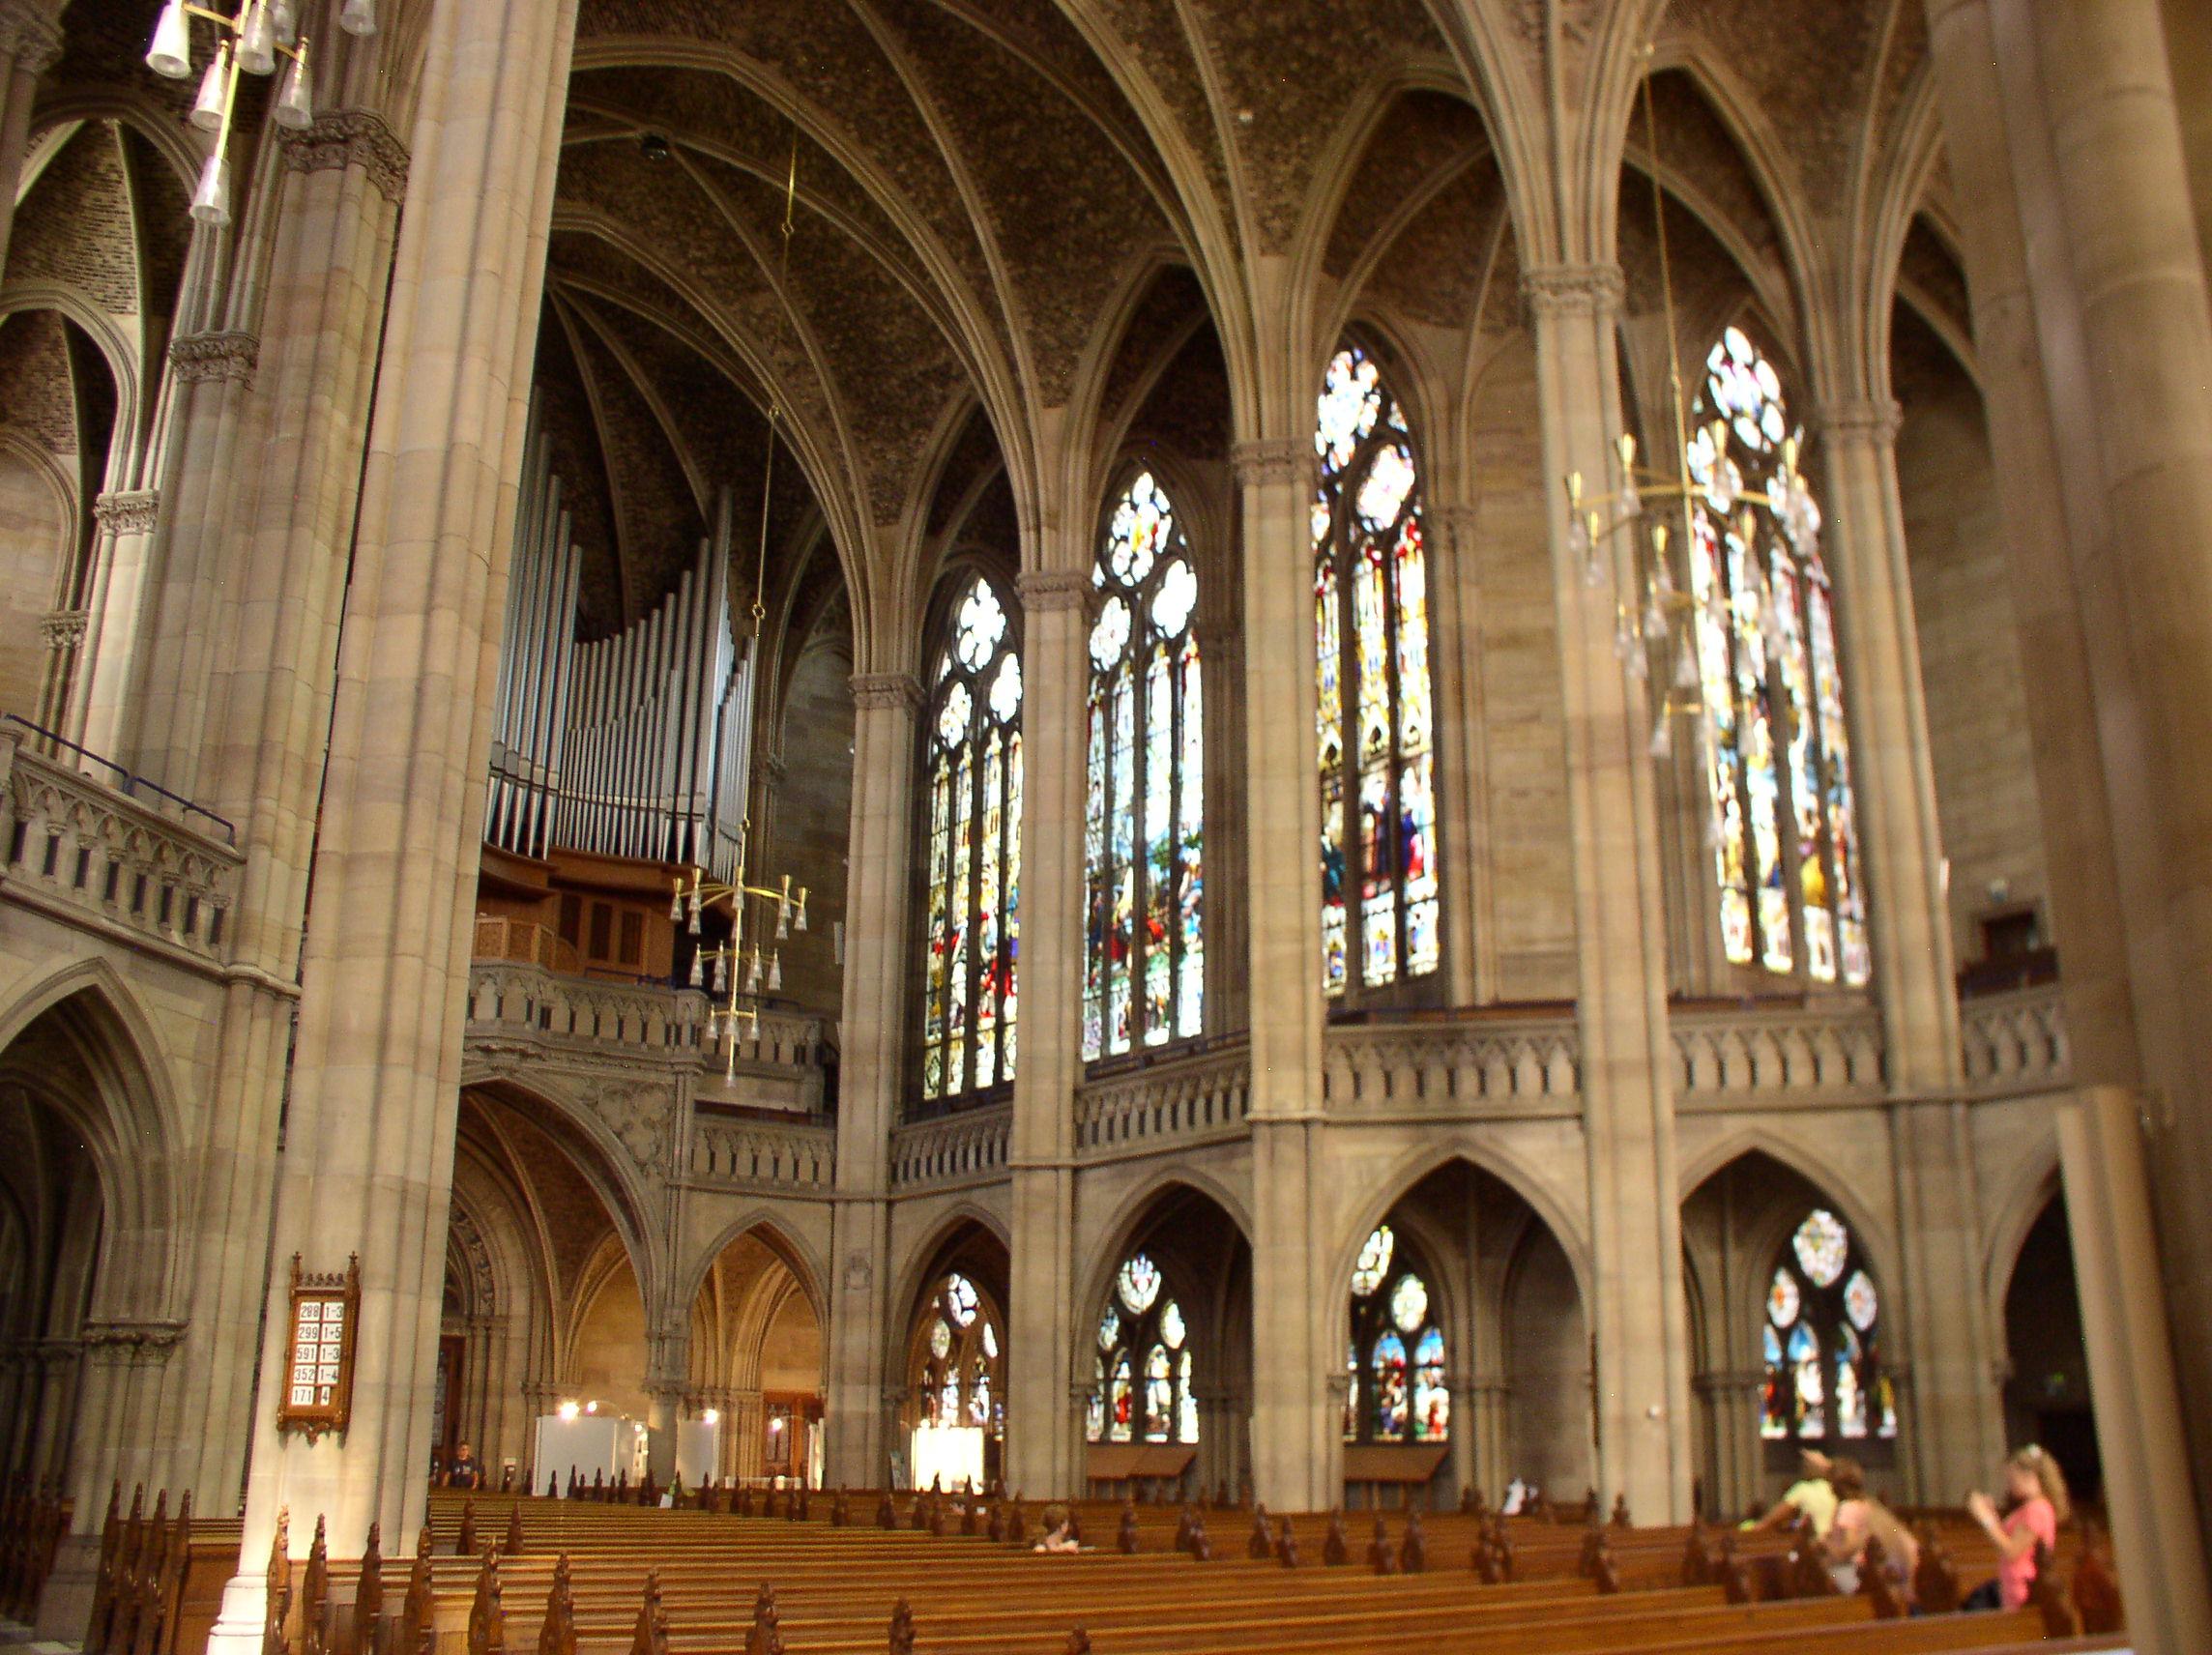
[(203, 358), (1860, 419), (1552, 291), (877, 691), (64, 628), (1273, 459), (29, 38), (1041, 590), (1460, 524), (351, 137), (130, 511)]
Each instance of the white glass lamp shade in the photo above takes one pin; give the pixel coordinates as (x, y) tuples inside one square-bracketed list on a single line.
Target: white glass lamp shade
[(296, 97), (171, 53), (257, 40), (359, 17), (208, 107), (211, 201), (284, 20)]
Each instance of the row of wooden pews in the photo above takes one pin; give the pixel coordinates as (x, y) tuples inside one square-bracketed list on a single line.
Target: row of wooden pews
[(868, 1571)]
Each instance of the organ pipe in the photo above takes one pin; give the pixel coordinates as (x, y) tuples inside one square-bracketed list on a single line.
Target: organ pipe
[(638, 745)]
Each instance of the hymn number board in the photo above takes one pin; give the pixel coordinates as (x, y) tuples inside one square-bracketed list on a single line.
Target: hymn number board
[(326, 1311)]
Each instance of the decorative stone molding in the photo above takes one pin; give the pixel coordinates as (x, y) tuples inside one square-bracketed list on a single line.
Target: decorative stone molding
[(131, 511), (860, 1272), (1863, 420), (1042, 589), (201, 359), (1263, 460), (968, 1148), (29, 38), (352, 137), (1786, 1054), (64, 628), (1194, 1097), (1559, 290), (770, 1154), (1460, 525), (878, 692), (1493, 1066), (2015, 1042), (149, 1340)]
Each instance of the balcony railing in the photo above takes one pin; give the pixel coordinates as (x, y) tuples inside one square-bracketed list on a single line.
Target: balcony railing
[(142, 865)]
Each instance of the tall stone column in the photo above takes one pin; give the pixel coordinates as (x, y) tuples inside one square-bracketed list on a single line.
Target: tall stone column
[(1893, 772), (876, 978), (368, 1159), (1297, 1439), (1042, 1428), (2085, 263), (1730, 1400), (30, 45), (1638, 1315), (2158, 1535)]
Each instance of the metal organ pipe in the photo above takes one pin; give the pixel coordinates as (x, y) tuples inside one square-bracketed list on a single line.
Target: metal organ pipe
[(636, 745)]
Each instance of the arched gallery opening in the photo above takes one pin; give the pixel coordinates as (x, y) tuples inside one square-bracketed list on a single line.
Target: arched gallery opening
[(948, 1423), (1164, 1354), (754, 1396), (2046, 1391), (1465, 1362), (1787, 1331)]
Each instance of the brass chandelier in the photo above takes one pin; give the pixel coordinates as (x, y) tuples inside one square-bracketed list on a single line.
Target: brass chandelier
[(1604, 524), (252, 41), (741, 980)]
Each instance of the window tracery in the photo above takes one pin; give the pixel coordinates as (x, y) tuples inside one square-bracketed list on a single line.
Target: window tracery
[(1783, 827), (972, 770), (1820, 1340), (1398, 1381), (1144, 973), (1141, 1371), (957, 1375), (1379, 886)]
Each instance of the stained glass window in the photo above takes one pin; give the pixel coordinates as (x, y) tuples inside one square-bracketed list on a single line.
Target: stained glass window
[(1145, 967), (1400, 1389), (1822, 1342), (1378, 876), (1143, 1369), (1784, 827), (955, 1371), (972, 773)]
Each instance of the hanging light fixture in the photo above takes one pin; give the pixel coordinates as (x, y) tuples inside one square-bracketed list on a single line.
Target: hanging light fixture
[(1618, 524), (252, 41), (359, 18), (759, 971)]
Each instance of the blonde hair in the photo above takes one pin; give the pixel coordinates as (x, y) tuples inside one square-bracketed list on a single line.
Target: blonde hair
[(2038, 1463)]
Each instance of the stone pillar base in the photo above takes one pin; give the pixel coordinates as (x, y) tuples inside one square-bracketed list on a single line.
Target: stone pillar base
[(66, 1604), (240, 1626)]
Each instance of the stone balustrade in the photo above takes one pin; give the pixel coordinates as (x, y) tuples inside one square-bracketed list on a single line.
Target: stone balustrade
[(953, 1150), (1184, 1098), (516, 999), (1780, 1054), (767, 1154), (2015, 1042), (118, 863), (1510, 1062)]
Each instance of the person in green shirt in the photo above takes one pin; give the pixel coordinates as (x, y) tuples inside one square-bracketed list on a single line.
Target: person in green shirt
[(1810, 1495)]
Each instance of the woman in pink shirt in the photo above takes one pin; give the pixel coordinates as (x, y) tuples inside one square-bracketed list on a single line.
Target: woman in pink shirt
[(2035, 1505)]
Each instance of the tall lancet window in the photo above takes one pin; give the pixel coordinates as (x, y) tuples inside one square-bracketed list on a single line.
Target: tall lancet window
[(1782, 829), (1144, 973), (972, 853), (1378, 919)]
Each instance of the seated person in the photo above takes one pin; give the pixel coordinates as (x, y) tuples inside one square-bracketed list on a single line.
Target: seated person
[(464, 1472), (2035, 1505), (1810, 1495), (1056, 1535), (1520, 1498), (1860, 1518)]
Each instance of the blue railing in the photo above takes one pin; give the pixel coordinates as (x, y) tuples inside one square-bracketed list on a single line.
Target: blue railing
[(129, 785)]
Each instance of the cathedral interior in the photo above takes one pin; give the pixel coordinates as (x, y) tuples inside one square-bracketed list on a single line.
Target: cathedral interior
[(1316, 754)]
